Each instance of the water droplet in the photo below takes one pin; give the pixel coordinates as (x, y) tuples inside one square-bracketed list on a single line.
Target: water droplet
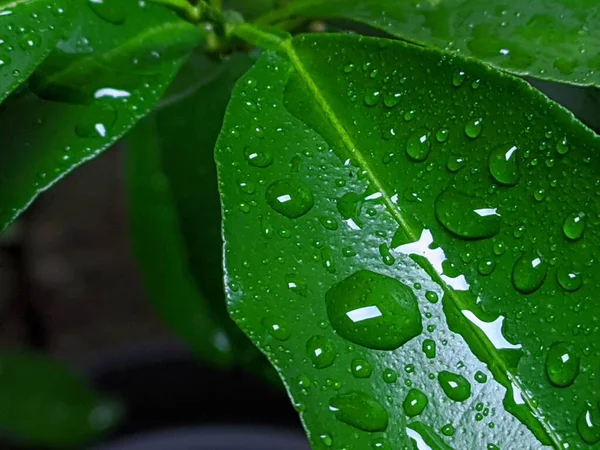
[(258, 158), (380, 444), (588, 424), (429, 348), (109, 10), (329, 223), (486, 266), (562, 364), (372, 98), (442, 135), (431, 296), (568, 279), (529, 273), (473, 128), (29, 41), (392, 99), (458, 78), (96, 122), (448, 430), (503, 165), (418, 146), (480, 377), (465, 216), (349, 68), (361, 368), (389, 376), (296, 285), (574, 226), (321, 351), (455, 163), (326, 440), (455, 386), (360, 411), (562, 146), (290, 198), (386, 256), (327, 260), (414, 403), (276, 328), (373, 310)]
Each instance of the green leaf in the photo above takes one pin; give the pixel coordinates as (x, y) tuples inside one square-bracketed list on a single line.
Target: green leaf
[(87, 94), (44, 403), (549, 40), (428, 245), (31, 29), (176, 237)]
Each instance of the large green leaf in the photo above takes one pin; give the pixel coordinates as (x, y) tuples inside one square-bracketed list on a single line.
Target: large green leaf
[(44, 403), (30, 30), (175, 212), (88, 93), (549, 39), (386, 177)]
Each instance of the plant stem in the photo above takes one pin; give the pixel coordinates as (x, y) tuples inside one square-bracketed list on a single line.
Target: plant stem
[(184, 8)]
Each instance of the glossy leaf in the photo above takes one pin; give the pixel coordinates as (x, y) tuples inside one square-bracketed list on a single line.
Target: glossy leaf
[(175, 212), (422, 279), (30, 30), (45, 404), (554, 40), (87, 94)]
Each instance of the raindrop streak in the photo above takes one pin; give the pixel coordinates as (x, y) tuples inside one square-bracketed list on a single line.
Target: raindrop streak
[(473, 128), (529, 273), (568, 279), (321, 351), (562, 365), (574, 226), (373, 310), (418, 146), (465, 216), (290, 198), (108, 10), (455, 386), (276, 329), (588, 424), (414, 403), (258, 158), (503, 165), (360, 411), (361, 368)]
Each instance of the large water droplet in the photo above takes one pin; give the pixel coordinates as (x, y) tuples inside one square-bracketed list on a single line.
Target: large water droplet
[(574, 226), (414, 403), (373, 310), (473, 128), (418, 145), (562, 364), (290, 198), (360, 411), (361, 368), (588, 424), (529, 273), (503, 165), (455, 386), (321, 351), (466, 216), (108, 10)]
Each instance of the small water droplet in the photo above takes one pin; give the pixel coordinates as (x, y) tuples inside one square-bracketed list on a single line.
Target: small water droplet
[(414, 403), (473, 128), (96, 122), (588, 424), (465, 216), (455, 386), (258, 158), (361, 368), (529, 273), (431, 296), (562, 364), (503, 165), (380, 444), (290, 198), (455, 163), (321, 351), (389, 376), (429, 348), (418, 145), (373, 310), (458, 78), (486, 266), (109, 10), (360, 411), (448, 430), (372, 98), (326, 440), (480, 377), (568, 279), (391, 99), (329, 223), (442, 135), (29, 41), (349, 68), (562, 146), (574, 226), (276, 328)]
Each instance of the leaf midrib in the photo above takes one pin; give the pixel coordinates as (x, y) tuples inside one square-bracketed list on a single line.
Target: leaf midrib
[(362, 162)]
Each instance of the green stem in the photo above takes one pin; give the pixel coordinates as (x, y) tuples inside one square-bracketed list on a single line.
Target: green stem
[(184, 8), (217, 4)]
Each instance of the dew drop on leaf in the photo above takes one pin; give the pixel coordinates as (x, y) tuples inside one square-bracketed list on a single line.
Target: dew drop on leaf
[(480, 377), (372, 98), (448, 430), (465, 216), (431, 296), (562, 146), (568, 279), (389, 376), (442, 135), (414, 403), (258, 158), (588, 424), (473, 128), (373, 310), (328, 223), (361, 368), (108, 10), (458, 78), (360, 411), (503, 165), (321, 351), (276, 328), (290, 198), (455, 163), (392, 99), (529, 273), (96, 122), (429, 348), (562, 364), (418, 146), (455, 386), (486, 266), (574, 226)]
